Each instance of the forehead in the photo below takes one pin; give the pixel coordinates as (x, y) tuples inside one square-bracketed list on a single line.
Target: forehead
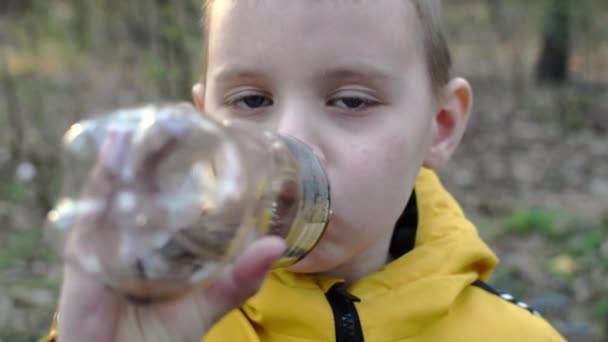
[(383, 32)]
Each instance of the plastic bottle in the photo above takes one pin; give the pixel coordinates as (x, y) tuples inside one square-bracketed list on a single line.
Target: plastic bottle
[(157, 199)]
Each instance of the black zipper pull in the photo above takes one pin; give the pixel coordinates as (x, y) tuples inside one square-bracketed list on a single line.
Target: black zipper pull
[(344, 292), (346, 319)]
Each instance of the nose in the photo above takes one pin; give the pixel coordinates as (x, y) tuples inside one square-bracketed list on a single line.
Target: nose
[(301, 123)]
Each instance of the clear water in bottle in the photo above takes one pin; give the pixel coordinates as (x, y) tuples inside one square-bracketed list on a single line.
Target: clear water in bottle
[(157, 199)]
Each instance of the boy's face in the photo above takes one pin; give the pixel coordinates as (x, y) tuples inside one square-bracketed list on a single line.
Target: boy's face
[(349, 79)]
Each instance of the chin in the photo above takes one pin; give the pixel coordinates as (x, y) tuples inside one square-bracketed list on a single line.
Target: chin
[(305, 265), (317, 261)]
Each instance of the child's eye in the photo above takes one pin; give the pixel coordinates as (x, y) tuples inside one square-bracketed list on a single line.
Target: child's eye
[(249, 100), (253, 102), (352, 103)]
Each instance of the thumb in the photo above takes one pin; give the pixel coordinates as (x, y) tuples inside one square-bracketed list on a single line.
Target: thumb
[(244, 278)]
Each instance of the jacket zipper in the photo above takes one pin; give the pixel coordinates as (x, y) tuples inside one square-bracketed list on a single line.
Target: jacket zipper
[(346, 318)]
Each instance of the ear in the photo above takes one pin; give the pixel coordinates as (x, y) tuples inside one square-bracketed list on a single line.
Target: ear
[(449, 122), (198, 96)]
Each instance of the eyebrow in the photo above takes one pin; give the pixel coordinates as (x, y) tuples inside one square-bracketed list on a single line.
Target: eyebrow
[(357, 71), (231, 72)]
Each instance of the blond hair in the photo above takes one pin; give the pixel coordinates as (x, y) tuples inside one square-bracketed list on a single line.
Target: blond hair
[(438, 58)]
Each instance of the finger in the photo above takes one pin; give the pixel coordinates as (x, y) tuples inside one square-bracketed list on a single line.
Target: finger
[(245, 277), (88, 311), (110, 161), (113, 152), (257, 261), (236, 284), (159, 138)]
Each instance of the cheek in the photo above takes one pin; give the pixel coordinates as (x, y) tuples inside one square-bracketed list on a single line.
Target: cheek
[(371, 180)]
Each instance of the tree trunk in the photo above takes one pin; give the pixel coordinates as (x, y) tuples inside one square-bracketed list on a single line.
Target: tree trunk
[(552, 66), (13, 111), (15, 7), (176, 59), (81, 23)]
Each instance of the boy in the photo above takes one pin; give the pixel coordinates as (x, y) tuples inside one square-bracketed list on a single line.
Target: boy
[(366, 85)]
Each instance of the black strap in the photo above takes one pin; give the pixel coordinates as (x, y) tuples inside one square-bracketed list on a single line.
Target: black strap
[(346, 319), (404, 234)]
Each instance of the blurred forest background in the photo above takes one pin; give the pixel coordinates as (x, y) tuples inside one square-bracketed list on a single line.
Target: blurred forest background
[(532, 172)]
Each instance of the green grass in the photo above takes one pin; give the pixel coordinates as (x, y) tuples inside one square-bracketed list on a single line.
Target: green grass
[(23, 246), (17, 249), (600, 309), (14, 192), (534, 220), (12, 336), (574, 242), (30, 283)]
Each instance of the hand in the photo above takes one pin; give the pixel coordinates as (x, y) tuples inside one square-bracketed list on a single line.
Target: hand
[(89, 310)]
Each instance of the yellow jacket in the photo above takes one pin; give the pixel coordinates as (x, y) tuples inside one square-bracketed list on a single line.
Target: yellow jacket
[(433, 292)]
